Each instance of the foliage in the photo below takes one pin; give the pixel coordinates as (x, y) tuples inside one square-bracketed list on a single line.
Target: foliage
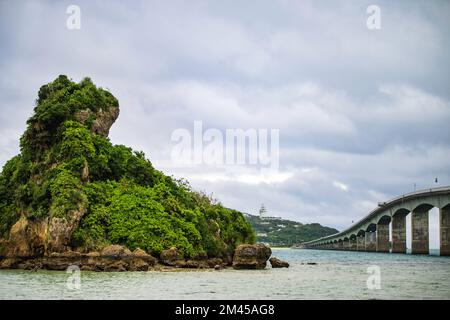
[(137, 216), (58, 102), (280, 232), (64, 166), (66, 193)]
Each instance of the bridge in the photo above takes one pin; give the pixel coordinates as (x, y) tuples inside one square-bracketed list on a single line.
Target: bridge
[(384, 228)]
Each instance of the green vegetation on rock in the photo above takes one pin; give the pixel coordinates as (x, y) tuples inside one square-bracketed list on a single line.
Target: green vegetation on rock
[(283, 233), (70, 180)]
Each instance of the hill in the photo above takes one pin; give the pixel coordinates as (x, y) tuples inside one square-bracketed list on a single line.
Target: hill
[(70, 188), (281, 232)]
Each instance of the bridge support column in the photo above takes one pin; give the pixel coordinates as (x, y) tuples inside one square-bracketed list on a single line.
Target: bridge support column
[(382, 238), (361, 243), (419, 224), (371, 241), (353, 244), (399, 233), (444, 230), (340, 245), (346, 245)]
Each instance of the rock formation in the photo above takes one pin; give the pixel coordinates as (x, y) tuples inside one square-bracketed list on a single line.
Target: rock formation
[(277, 263), (73, 197), (248, 256)]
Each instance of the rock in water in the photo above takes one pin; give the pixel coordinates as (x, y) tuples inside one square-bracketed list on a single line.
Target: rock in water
[(277, 263), (70, 188), (251, 256)]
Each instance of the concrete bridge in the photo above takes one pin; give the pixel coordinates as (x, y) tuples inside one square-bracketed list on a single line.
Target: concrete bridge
[(372, 233)]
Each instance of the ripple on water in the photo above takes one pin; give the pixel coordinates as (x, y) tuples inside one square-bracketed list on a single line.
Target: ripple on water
[(337, 275)]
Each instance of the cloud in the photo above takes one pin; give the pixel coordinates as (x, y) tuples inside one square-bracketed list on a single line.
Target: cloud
[(363, 115)]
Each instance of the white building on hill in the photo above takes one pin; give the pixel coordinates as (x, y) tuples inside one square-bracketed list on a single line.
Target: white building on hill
[(263, 214)]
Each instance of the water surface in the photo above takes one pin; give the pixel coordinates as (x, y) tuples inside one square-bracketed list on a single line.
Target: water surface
[(337, 275)]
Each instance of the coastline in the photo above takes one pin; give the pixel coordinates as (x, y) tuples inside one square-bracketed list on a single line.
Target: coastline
[(108, 263), (116, 258)]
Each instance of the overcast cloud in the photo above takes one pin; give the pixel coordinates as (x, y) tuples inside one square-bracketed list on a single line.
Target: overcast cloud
[(363, 114)]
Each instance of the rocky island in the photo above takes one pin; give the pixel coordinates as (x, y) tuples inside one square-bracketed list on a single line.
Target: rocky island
[(72, 197)]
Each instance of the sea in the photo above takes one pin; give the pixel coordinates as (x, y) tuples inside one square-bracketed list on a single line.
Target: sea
[(313, 274)]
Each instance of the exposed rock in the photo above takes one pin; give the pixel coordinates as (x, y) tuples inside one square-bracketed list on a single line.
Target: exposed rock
[(27, 264), (170, 254), (217, 267), (277, 263), (115, 251), (58, 263), (27, 238), (18, 245), (141, 261), (228, 259), (112, 258), (93, 254), (194, 264), (141, 254), (212, 262), (60, 230), (71, 254), (104, 119), (138, 252), (83, 115), (34, 238), (9, 263), (116, 266), (87, 268), (171, 257), (251, 256), (137, 264)]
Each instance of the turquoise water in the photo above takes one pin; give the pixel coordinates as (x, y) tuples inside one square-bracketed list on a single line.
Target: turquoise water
[(337, 275)]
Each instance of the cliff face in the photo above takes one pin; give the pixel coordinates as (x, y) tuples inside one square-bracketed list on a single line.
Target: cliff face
[(71, 189), (104, 119), (34, 238)]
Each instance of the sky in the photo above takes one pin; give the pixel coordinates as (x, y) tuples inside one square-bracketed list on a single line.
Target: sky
[(362, 114)]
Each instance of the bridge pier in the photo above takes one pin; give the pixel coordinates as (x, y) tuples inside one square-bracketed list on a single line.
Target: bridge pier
[(382, 238), (371, 241), (353, 244), (399, 233), (372, 232), (419, 225), (361, 243), (346, 245), (444, 230)]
